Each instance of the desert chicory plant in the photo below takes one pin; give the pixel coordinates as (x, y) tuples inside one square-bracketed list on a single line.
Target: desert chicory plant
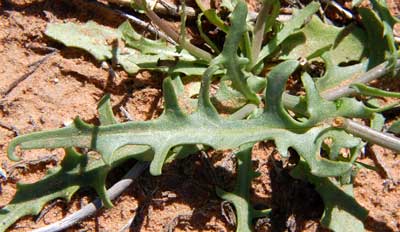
[(302, 123)]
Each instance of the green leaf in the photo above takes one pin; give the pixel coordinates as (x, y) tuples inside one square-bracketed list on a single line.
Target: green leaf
[(76, 171), (342, 212), (106, 114), (229, 58), (204, 36), (132, 51), (227, 98), (363, 165), (211, 15), (92, 37), (377, 122), (381, 45), (319, 109), (163, 49), (316, 37), (381, 7), (189, 68), (395, 127), (240, 197), (63, 182), (298, 20), (388, 21), (336, 76), (158, 140), (176, 128), (229, 4)]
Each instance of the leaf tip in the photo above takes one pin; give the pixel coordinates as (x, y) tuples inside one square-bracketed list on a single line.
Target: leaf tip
[(11, 149)]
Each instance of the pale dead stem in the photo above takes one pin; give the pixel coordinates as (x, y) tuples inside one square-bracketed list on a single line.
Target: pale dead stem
[(92, 207), (373, 74), (367, 133), (196, 51)]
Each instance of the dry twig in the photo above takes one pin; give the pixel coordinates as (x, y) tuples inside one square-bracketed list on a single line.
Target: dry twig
[(137, 21), (10, 128), (385, 172), (367, 133), (160, 7), (32, 68), (25, 163)]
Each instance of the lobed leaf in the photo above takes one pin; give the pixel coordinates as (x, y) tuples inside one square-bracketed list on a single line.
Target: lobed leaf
[(388, 22), (129, 49), (342, 212), (315, 38), (381, 45), (76, 171), (288, 29), (229, 58), (336, 76), (205, 126), (240, 197)]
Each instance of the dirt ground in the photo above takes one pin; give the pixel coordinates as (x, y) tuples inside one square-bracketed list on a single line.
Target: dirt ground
[(61, 83)]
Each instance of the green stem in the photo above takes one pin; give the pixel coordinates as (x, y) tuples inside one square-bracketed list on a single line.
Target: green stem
[(204, 36), (183, 21), (247, 46), (243, 112)]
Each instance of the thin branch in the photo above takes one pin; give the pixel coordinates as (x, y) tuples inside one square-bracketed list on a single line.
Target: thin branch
[(126, 114), (161, 7), (46, 210), (10, 128), (367, 133), (197, 52), (146, 25), (32, 68), (385, 172), (170, 227), (340, 8), (126, 226), (51, 158), (228, 212), (138, 22), (93, 207)]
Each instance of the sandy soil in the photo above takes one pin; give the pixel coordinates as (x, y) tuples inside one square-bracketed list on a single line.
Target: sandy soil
[(67, 82)]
